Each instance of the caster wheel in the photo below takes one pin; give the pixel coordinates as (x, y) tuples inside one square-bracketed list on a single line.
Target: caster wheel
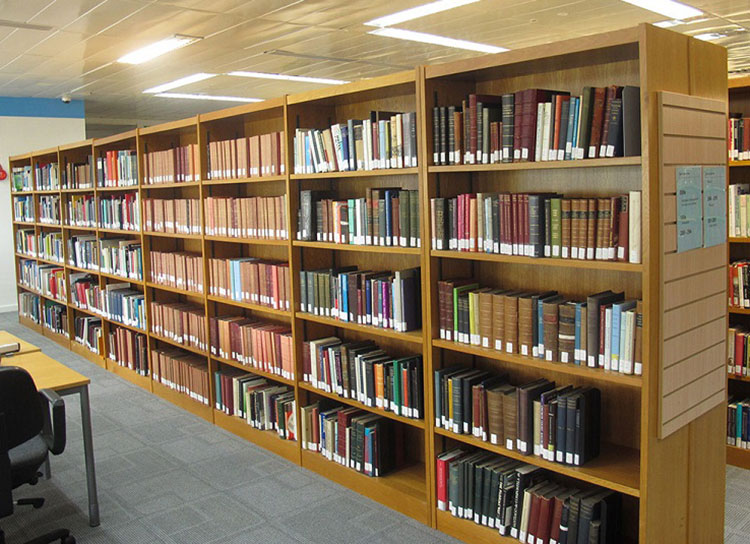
[(68, 540)]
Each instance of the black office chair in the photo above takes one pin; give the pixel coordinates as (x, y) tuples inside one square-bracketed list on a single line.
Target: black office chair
[(27, 436)]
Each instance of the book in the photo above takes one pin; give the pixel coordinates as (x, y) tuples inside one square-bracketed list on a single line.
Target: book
[(128, 349), (177, 216), (183, 372)]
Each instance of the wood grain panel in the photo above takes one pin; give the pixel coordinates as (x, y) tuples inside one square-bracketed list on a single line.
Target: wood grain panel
[(695, 287), (676, 403), (669, 208), (710, 124), (678, 265), (681, 423), (683, 150), (670, 238), (690, 369), (694, 314), (693, 341)]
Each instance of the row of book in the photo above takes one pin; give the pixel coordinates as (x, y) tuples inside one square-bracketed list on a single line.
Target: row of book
[(538, 125), (81, 211), (247, 157), (248, 217), (388, 300), (385, 140), (177, 215), (364, 372), (175, 165), (83, 251), (739, 211), (49, 209), (47, 176), (50, 246), (88, 332), (177, 269), (604, 331), (29, 306), (78, 175), (21, 178), (128, 349), (254, 343), (738, 137), (251, 280), (23, 209), (181, 322), (523, 502), (118, 302), (26, 242), (385, 217), (265, 405), (738, 422), (47, 279), (539, 225), (368, 443), (84, 291), (182, 372), (117, 168), (55, 317), (738, 351), (121, 212), (121, 257), (739, 284)]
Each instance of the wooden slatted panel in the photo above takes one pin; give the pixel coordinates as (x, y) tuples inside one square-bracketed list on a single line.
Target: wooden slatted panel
[(693, 284)]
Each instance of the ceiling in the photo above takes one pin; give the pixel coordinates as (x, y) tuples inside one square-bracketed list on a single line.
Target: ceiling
[(77, 53)]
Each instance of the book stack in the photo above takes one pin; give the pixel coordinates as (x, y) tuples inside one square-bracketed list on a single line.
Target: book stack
[(121, 257), (118, 302), (538, 125), (265, 406), (128, 349), (386, 140), (385, 217), (120, 212), (738, 137), (738, 352), (117, 169), (81, 211), (55, 317), (539, 225), (88, 332), (739, 284), (250, 157), (50, 246), (181, 322), (364, 372), (604, 331), (177, 269), (84, 291), (185, 373), (49, 209), (366, 442), (738, 422), (51, 282), (182, 216), (521, 501), (47, 176), (83, 251), (28, 306), (254, 343), (251, 280), (388, 300), (23, 208), (249, 217), (26, 242), (739, 211), (175, 165), (78, 175), (21, 178)]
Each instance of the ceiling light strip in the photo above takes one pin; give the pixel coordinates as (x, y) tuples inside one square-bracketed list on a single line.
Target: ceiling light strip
[(219, 98), (187, 80), (418, 11), (157, 49), (284, 77), (436, 40), (668, 8)]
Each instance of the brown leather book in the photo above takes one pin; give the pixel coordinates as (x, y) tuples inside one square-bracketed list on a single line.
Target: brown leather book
[(511, 321), (580, 227), (566, 332), (597, 122), (510, 425), (498, 321), (526, 323), (575, 228), (495, 418), (550, 317), (602, 234), (614, 227), (591, 218), (567, 216), (485, 317)]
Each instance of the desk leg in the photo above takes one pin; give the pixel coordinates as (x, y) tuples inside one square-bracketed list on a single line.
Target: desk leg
[(46, 470), (88, 449)]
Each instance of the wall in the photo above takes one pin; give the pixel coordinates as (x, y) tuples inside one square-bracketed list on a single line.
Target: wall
[(28, 124)]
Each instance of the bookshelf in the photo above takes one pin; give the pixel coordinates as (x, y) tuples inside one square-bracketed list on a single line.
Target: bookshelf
[(645, 469)]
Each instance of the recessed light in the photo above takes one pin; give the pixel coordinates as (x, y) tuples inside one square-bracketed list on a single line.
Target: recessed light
[(157, 49), (263, 75), (668, 8), (208, 97), (707, 36), (669, 23), (418, 11), (179, 83), (436, 40)]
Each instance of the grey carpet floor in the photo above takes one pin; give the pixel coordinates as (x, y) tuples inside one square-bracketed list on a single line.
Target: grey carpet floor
[(166, 476)]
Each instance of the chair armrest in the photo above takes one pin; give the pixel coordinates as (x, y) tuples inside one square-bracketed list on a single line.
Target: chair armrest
[(6, 484), (54, 431)]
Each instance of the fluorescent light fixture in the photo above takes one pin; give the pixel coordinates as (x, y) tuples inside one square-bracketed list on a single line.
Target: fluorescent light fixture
[(187, 80), (208, 97), (157, 49), (418, 11), (263, 75), (436, 40), (708, 36), (669, 23), (668, 8)]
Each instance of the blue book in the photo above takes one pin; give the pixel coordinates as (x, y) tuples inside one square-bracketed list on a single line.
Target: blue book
[(540, 333), (308, 151), (617, 310), (575, 125), (352, 153), (578, 358), (345, 144), (344, 309), (571, 129), (388, 216), (368, 302), (739, 422), (351, 208)]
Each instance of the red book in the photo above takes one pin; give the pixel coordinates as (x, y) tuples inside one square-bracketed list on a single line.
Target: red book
[(533, 515), (559, 99), (597, 122), (610, 94), (614, 227), (545, 519), (525, 235), (529, 119), (623, 244), (518, 98), (739, 351)]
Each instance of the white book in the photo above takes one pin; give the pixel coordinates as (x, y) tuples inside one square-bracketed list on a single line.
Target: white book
[(539, 131), (634, 235)]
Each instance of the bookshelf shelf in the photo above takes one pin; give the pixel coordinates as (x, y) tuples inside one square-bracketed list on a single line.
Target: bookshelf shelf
[(739, 240), (119, 231), (48, 192), (177, 290), (177, 344), (116, 189), (253, 370), (738, 457), (183, 401), (120, 278), (265, 439), (248, 306), (358, 173), (542, 261), (418, 423), (131, 375), (123, 325), (84, 270), (543, 165), (739, 311), (87, 354), (739, 164), (738, 378), (173, 235), (61, 339), (242, 181), (595, 374), (157, 186), (411, 336), (78, 228), (250, 241), (86, 311), (78, 190), (394, 250)]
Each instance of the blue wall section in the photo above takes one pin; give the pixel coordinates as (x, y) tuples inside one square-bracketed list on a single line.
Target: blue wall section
[(11, 106)]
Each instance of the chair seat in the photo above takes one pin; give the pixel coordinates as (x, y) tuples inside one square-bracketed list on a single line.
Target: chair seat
[(25, 460)]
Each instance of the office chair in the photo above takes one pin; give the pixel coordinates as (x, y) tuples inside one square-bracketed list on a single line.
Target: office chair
[(27, 436)]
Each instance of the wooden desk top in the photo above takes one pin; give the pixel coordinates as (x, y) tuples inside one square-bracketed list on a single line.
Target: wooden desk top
[(47, 373), (26, 347)]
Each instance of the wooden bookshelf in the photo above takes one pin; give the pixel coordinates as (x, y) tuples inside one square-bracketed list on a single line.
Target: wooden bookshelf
[(648, 471)]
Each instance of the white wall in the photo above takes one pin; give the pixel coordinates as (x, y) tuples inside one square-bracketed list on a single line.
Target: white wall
[(20, 135)]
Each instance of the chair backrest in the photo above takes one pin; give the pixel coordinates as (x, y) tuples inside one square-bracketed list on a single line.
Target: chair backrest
[(20, 406)]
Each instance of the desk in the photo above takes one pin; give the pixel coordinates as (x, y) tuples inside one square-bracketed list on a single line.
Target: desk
[(50, 374), (26, 347)]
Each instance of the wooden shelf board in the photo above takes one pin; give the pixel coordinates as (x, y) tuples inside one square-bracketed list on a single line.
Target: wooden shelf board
[(418, 423), (468, 531), (47, 191), (120, 231), (26, 322), (269, 440), (86, 353), (61, 339), (235, 181), (115, 189), (250, 241), (382, 250), (739, 311), (738, 164), (414, 337), (25, 223), (738, 457), (85, 311), (616, 468), (77, 190), (173, 235), (533, 165), (541, 261), (359, 173), (736, 378), (120, 278), (176, 344), (24, 256), (39, 293), (124, 326), (562, 368), (174, 289), (132, 376), (76, 227), (183, 401), (248, 306), (253, 370), (150, 186), (739, 239), (404, 488), (84, 270), (50, 261)]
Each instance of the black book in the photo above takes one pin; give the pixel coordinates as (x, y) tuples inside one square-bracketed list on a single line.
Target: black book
[(451, 134), (587, 423), (443, 135), (575, 512), (563, 136), (631, 121), (527, 476), (587, 113), (527, 394), (564, 522), (508, 114), (614, 136)]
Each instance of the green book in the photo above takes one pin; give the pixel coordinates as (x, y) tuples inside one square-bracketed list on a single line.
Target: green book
[(556, 226), (456, 292)]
